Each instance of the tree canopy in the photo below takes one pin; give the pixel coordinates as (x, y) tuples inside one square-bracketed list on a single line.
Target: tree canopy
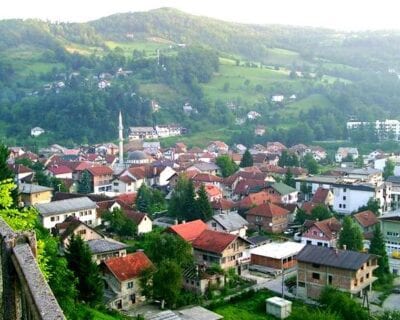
[(350, 235), (227, 165), (247, 159)]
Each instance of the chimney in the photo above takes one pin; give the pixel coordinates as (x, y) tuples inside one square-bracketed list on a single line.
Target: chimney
[(183, 221), (176, 221), (336, 251), (344, 247)]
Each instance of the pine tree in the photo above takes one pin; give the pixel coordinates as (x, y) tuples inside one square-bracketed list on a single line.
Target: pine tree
[(289, 180), (84, 185), (350, 236), (191, 211), (247, 160), (143, 199), (90, 284), (183, 201), (378, 247), (203, 204)]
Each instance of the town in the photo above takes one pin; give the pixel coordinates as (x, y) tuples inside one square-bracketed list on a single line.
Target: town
[(172, 233)]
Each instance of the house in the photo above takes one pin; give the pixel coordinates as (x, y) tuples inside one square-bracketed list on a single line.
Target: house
[(100, 179), (286, 193), (188, 231), (36, 131), (367, 221), (275, 257), (59, 171), (218, 147), (142, 221), (129, 180), (152, 148), (275, 147), (106, 248), (318, 153), (323, 196), (321, 233), (140, 133), (259, 130), (230, 222), (277, 98), (252, 115), (268, 217), (199, 280), (32, 194), (256, 199), (223, 206), (220, 248), (213, 192), (121, 277), (343, 153), (390, 227), (345, 270), (57, 211), (203, 167), (138, 157), (21, 173)]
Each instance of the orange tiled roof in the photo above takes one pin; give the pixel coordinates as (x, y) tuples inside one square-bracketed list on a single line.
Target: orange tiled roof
[(128, 267), (189, 230), (267, 210), (366, 218), (213, 241)]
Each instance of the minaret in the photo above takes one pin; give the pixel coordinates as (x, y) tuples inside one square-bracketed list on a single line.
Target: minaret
[(121, 140)]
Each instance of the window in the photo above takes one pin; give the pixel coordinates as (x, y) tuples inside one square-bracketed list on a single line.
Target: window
[(205, 257), (214, 224), (344, 189), (309, 242), (340, 205), (330, 279), (344, 197), (315, 276), (82, 232), (52, 219), (367, 276), (315, 265), (130, 285), (344, 206)]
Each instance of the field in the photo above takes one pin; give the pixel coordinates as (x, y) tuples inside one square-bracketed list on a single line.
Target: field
[(294, 108)]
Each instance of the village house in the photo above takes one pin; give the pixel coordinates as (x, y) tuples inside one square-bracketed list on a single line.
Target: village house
[(188, 231), (36, 131), (141, 133), (274, 257), (100, 179), (321, 233), (223, 206), (57, 211), (59, 171), (32, 194), (218, 147), (129, 180), (367, 221), (199, 280), (141, 220), (286, 193), (323, 196), (21, 173), (268, 217), (345, 270), (343, 153), (121, 276), (230, 222), (220, 248)]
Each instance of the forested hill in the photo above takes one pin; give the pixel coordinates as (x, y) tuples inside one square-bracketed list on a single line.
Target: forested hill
[(53, 75)]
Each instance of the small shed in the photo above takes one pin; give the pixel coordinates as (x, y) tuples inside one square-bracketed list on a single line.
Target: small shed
[(279, 307)]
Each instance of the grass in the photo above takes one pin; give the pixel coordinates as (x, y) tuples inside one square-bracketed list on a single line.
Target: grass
[(200, 139), (149, 47), (84, 311), (160, 92), (277, 56), (293, 109)]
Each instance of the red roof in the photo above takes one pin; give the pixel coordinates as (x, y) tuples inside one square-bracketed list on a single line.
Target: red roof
[(56, 169), (135, 216), (212, 191), (256, 199), (320, 195), (244, 186), (100, 171), (309, 206), (206, 177), (366, 218), (128, 267), (213, 241), (223, 204), (128, 198), (190, 230), (138, 172), (267, 210), (19, 168)]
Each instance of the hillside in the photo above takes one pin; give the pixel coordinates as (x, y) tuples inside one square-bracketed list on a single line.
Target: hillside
[(50, 76)]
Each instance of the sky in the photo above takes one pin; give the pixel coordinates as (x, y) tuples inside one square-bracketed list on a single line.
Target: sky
[(336, 14)]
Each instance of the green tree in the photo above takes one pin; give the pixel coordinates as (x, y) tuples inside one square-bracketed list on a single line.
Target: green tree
[(342, 304), (203, 204), (378, 247), (288, 159), (227, 165), (167, 282), (247, 159), (310, 164), (320, 212), (163, 246), (84, 185), (119, 223), (183, 200), (350, 235), (90, 283), (388, 170), (288, 179), (372, 205), (6, 173), (143, 199), (301, 216)]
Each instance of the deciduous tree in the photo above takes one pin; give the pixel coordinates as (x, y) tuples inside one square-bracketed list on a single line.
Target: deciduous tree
[(350, 236)]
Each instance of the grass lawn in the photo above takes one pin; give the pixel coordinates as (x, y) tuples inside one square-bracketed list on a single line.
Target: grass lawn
[(305, 104), (83, 310), (149, 47), (158, 91), (199, 139)]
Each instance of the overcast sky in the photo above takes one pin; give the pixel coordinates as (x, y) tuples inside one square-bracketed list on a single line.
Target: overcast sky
[(337, 14)]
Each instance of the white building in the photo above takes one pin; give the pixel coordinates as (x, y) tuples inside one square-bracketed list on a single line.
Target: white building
[(57, 211), (385, 129), (277, 98), (36, 131), (349, 193), (343, 153), (252, 115), (140, 133)]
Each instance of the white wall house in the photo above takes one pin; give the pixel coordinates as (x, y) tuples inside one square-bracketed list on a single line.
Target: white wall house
[(57, 211), (36, 131)]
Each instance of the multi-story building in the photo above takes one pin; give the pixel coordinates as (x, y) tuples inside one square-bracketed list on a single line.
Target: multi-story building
[(57, 211), (385, 129), (321, 233), (100, 179), (32, 194), (349, 193), (318, 267)]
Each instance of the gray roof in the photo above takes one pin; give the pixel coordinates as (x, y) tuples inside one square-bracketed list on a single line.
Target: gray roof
[(394, 179), (68, 205), (137, 155), (32, 188), (105, 245), (230, 221), (343, 259), (198, 313), (164, 315), (204, 166)]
